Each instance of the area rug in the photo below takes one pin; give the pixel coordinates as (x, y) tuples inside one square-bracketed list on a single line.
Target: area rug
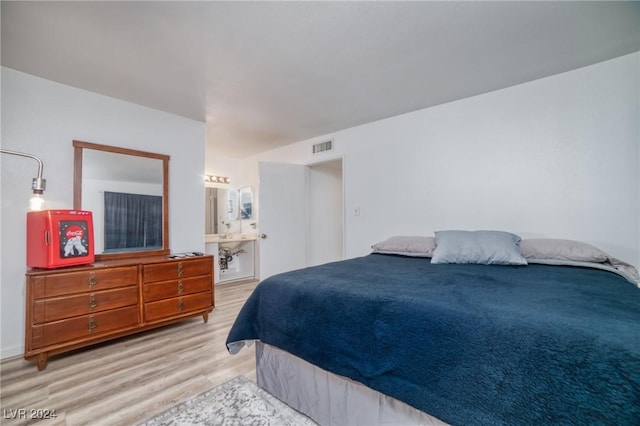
[(237, 402)]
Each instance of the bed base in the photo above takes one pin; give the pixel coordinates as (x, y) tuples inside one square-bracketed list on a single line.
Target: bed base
[(327, 398)]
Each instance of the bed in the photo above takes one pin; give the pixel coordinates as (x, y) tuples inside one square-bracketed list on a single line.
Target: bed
[(548, 341)]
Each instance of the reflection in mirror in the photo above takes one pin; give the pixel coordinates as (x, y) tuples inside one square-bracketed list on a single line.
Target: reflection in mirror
[(246, 203), (210, 210), (127, 191), (232, 205), (125, 195), (221, 211)]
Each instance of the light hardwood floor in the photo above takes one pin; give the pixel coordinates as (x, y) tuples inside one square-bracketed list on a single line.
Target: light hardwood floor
[(126, 381)]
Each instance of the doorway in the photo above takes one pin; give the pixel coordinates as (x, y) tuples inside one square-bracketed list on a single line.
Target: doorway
[(325, 213)]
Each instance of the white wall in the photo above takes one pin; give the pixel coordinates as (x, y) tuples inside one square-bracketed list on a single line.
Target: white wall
[(233, 168), (42, 118), (556, 157)]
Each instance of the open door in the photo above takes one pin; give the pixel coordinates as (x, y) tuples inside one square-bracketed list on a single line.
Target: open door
[(282, 221)]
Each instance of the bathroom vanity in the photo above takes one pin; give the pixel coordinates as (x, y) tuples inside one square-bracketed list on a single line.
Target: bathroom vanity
[(230, 232)]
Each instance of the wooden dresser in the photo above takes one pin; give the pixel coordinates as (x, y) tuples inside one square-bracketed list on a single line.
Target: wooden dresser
[(73, 307)]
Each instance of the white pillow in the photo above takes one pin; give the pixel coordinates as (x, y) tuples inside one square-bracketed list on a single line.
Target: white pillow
[(483, 247)]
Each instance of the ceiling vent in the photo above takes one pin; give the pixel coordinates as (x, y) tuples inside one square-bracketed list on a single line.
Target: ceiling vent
[(323, 147)]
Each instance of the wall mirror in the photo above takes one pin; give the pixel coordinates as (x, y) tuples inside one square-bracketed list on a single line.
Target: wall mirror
[(128, 192), (226, 208)]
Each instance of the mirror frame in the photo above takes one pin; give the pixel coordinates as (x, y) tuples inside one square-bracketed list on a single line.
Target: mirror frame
[(78, 148)]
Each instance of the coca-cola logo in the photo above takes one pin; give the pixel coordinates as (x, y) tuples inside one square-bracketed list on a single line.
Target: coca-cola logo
[(74, 231)]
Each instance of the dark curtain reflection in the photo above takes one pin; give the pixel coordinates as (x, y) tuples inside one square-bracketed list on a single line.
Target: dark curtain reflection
[(132, 221)]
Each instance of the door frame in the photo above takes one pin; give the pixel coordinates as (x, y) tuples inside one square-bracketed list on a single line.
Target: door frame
[(307, 206)]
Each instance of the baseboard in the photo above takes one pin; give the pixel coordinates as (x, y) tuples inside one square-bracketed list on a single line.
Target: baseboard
[(11, 352)]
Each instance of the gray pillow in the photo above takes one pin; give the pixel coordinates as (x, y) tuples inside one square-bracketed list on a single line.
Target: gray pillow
[(483, 247), (406, 246), (551, 248)]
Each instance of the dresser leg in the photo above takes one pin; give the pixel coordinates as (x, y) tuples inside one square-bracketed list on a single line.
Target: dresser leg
[(42, 360), (205, 316)]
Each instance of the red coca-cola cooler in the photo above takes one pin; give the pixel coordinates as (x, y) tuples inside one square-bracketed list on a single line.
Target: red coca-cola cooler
[(57, 238)]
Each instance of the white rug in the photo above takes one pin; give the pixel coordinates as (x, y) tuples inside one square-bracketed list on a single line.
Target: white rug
[(237, 402)]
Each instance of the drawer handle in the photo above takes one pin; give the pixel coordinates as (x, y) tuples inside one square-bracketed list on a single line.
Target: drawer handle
[(180, 269), (180, 287), (92, 324), (92, 279), (93, 302), (180, 305)]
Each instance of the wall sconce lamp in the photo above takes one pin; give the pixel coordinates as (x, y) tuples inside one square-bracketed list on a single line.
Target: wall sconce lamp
[(38, 184), (216, 179)]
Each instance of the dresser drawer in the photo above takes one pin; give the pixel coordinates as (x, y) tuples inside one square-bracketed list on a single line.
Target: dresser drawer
[(177, 269), (177, 306), (84, 326), (174, 288), (83, 281), (56, 308)]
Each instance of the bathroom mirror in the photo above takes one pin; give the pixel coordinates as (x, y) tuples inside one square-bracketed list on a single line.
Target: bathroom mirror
[(221, 210), (128, 192)]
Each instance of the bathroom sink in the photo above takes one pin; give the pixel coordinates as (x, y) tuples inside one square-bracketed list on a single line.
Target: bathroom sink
[(230, 244), (229, 240)]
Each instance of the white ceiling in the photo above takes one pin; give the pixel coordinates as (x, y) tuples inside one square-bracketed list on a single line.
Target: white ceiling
[(266, 74)]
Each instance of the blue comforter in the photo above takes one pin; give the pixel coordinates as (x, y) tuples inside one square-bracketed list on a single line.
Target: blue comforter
[(469, 344)]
